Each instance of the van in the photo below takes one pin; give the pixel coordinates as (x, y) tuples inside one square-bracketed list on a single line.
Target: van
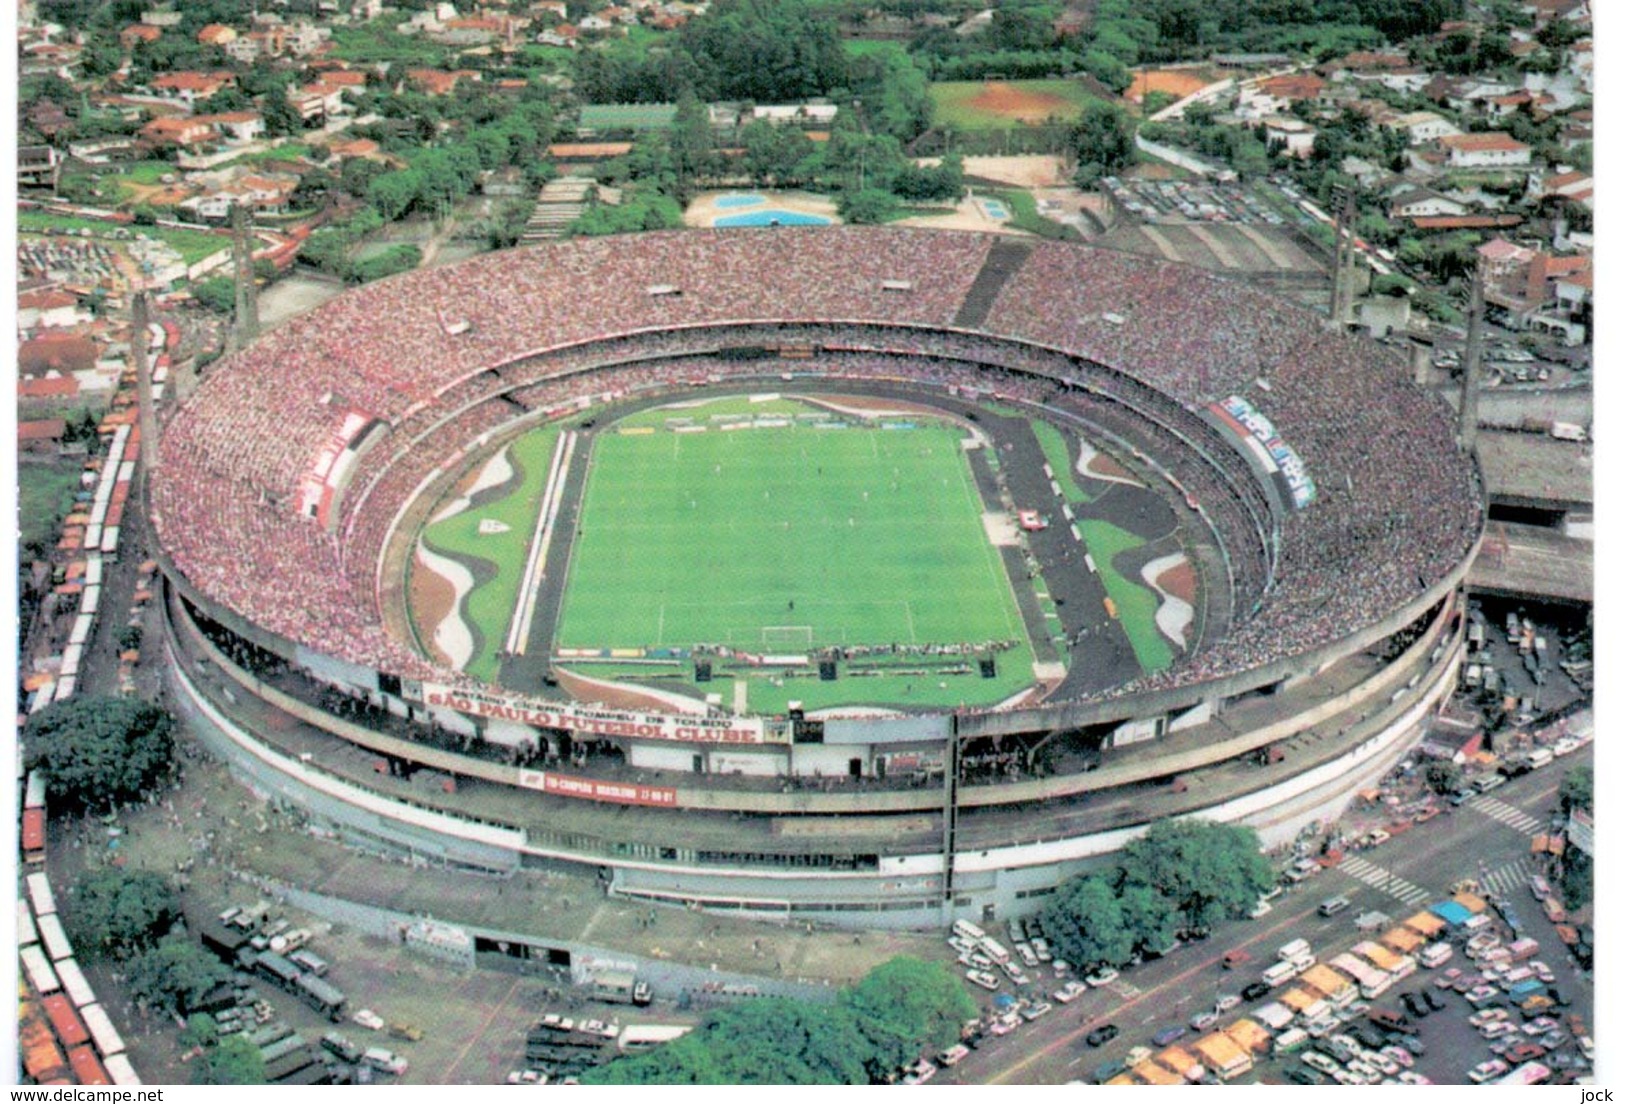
[(309, 963), (1331, 906), (1436, 954), (1476, 923), (1295, 949), (1280, 974), (995, 950), (1539, 887), (1540, 757), (385, 1061), (966, 930), (1291, 1039)]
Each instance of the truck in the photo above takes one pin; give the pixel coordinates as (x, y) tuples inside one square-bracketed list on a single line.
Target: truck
[(619, 987)]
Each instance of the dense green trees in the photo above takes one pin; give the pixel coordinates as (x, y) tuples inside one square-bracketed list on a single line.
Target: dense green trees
[(1102, 142), (115, 913), (765, 51), (175, 974), (904, 1005), (1575, 790), (98, 752), (1184, 873), (885, 1020), (235, 1061)]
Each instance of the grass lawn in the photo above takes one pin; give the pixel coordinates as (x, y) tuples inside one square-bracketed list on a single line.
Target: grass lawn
[(1136, 603), (999, 105), (490, 604), (785, 539), (192, 245), (44, 497), (1058, 452)]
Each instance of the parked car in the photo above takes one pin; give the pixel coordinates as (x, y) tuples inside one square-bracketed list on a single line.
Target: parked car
[(1104, 976), (1226, 1002), (1069, 992), (1204, 1020), (368, 1019), (1254, 991), (1105, 1033), (982, 978), (1168, 1035), (1487, 1071)]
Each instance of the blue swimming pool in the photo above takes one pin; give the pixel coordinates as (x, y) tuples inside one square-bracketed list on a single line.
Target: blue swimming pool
[(995, 209), (772, 217), (739, 201)]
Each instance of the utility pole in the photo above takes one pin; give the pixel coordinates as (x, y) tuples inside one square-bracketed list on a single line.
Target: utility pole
[(1467, 427), (246, 316), (1335, 307), (146, 416)]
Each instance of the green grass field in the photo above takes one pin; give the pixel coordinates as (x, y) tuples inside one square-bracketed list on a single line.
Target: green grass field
[(1136, 603), (1058, 452), (784, 539), (490, 605), (966, 105)]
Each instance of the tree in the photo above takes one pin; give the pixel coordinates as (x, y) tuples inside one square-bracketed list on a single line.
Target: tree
[(905, 1005), (217, 293), (1086, 923), (116, 913), (235, 1061), (1101, 141), (1442, 776), (867, 207), (784, 1042), (1206, 871), (100, 751), (1575, 790), (1576, 885), (201, 1031), (174, 975), (1147, 916)]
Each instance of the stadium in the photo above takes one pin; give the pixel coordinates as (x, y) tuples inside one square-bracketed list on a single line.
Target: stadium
[(858, 576)]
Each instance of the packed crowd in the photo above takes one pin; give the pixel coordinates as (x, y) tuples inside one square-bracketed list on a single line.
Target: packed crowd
[(1395, 515)]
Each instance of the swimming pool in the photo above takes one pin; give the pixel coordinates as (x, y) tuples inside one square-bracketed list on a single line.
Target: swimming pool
[(995, 209), (739, 201), (772, 217)]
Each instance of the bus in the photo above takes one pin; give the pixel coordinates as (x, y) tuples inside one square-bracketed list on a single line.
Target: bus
[(635, 1038)]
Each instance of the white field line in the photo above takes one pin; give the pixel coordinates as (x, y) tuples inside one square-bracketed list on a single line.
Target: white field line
[(530, 588)]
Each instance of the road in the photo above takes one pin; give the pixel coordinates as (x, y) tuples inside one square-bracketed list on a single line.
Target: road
[(1487, 838)]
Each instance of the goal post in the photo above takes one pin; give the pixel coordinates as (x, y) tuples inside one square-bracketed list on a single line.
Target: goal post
[(781, 636)]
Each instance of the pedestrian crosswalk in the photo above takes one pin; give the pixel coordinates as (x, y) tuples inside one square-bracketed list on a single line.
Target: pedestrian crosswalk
[(1504, 879), (1509, 815), (1384, 880)]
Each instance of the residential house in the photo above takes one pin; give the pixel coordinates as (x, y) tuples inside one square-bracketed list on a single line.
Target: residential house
[(186, 133), (1293, 135), (37, 166), (139, 32), (1488, 150), (1574, 186), (1412, 202), (1501, 108), (439, 82), (190, 86), (49, 309), (236, 126), (1520, 288), (161, 17), (217, 34), (1423, 126), (563, 35)]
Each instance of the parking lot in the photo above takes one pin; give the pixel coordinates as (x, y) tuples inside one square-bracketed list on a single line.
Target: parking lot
[(1191, 201)]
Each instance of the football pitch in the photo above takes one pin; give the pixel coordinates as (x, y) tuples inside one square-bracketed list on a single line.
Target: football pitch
[(785, 539)]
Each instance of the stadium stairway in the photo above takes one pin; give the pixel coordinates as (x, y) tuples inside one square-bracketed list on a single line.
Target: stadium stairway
[(1003, 261)]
